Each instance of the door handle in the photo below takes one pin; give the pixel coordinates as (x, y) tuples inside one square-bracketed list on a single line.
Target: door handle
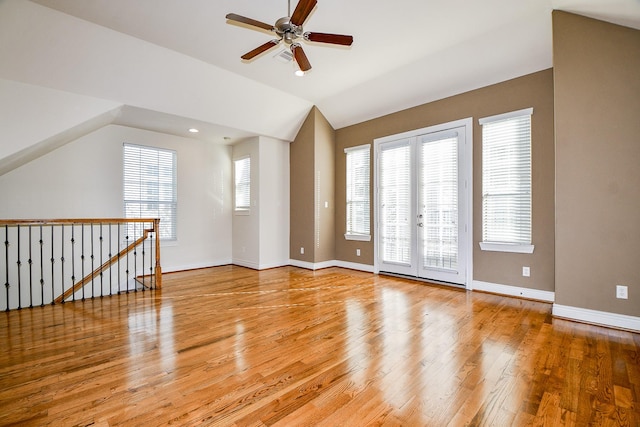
[(420, 224)]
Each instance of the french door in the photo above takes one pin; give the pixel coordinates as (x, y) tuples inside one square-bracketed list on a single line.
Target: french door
[(422, 203)]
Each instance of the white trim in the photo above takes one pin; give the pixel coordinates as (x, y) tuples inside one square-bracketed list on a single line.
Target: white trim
[(354, 266), (301, 264), (597, 317), (248, 264), (357, 147), (514, 291), (195, 266), (333, 263), (504, 116), (360, 237), (507, 247)]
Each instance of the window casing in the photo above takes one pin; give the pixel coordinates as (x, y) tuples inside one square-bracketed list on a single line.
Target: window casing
[(242, 184), (506, 182), (150, 188), (358, 224)]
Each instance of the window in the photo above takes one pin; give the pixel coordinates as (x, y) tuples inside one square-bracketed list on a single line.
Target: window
[(358, 205), (242, 176), (506, 182), (150, 188)]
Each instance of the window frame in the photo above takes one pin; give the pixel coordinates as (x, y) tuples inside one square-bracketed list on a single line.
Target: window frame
[(242, 210), (172, 204), (350, 190), (507, 246)]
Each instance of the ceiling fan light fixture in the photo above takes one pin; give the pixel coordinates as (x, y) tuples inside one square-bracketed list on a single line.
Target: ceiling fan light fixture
[(299, 73), (289, 31)]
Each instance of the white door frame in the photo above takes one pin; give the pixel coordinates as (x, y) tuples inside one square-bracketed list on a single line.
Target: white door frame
[(466, 169)]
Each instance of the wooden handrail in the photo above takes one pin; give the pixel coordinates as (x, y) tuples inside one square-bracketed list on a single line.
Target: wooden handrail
[(75, 221), (78, 285), (89, 221)]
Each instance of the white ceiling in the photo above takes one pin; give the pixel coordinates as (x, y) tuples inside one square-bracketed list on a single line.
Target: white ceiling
[(405, 52)]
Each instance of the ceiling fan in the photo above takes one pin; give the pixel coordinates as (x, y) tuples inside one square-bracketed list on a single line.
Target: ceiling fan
[(289, 29)]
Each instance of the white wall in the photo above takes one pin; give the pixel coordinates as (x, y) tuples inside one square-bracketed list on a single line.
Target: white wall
[(84, 179), (274, 203), (261, 236), (246, 225)]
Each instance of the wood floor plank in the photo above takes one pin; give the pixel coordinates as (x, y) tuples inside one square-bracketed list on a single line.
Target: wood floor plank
[(230, 346)]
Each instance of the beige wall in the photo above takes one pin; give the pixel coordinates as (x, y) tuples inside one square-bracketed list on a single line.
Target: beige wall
[(302, 157), (312, 188), (597, 106), (325, 185), (535, 90)]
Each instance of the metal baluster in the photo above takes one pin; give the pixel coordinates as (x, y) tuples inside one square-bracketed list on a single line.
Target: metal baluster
[(82, 258), (101, 261), (118, 269), (111, 266), (62, 258), (135, 268), (73, 259), (126, 239), (93, 288), (30, 271), (6, 255), (143, 280), (151, 257), (19, 268), (53, 260), (41, 269)]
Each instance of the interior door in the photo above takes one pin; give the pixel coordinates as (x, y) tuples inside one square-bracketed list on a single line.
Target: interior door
[(421, 205)]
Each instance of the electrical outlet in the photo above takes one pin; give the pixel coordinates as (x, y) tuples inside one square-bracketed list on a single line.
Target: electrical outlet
[(357, 252), (622, 292), (302, 250), (526, 271)]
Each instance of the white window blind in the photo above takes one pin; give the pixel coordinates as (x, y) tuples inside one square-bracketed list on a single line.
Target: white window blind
[(358, 200), (242, 177), (395, 203), (439, 194), (506, 178), (150, 189)]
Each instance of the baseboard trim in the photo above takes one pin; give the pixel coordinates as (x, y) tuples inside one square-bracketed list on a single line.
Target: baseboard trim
[(514, 291), (247, 264), (355, 266), (603, 318), (332, 263), (196, 266)]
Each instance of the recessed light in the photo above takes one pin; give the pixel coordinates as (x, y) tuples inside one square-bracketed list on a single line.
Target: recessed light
[(194, 130)]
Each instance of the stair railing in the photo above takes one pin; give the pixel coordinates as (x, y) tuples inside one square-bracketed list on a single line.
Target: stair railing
[(62, 260)]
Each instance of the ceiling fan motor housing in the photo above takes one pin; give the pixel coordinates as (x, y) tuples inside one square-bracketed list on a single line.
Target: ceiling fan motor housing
[(287, 30)]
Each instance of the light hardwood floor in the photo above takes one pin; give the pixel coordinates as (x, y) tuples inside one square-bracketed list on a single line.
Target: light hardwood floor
[(292, 347)]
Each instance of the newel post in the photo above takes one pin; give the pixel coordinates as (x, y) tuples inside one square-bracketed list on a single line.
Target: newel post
[(156, 227)]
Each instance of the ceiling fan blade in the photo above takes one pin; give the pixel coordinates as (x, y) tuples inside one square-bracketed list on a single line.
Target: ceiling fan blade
[(303, 9), (244, 20), (300, 57), (262, 48), (329, 38)]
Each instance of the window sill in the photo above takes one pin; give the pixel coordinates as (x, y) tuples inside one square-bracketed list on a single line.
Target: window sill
[(242, 212), (507, 247), (359, 237)]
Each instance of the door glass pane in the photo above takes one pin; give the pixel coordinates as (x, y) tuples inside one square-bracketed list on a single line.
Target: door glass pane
[(395, 199), (439, 203)]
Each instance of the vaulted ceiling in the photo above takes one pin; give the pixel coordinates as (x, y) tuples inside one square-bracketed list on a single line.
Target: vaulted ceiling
[(405, 53)]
